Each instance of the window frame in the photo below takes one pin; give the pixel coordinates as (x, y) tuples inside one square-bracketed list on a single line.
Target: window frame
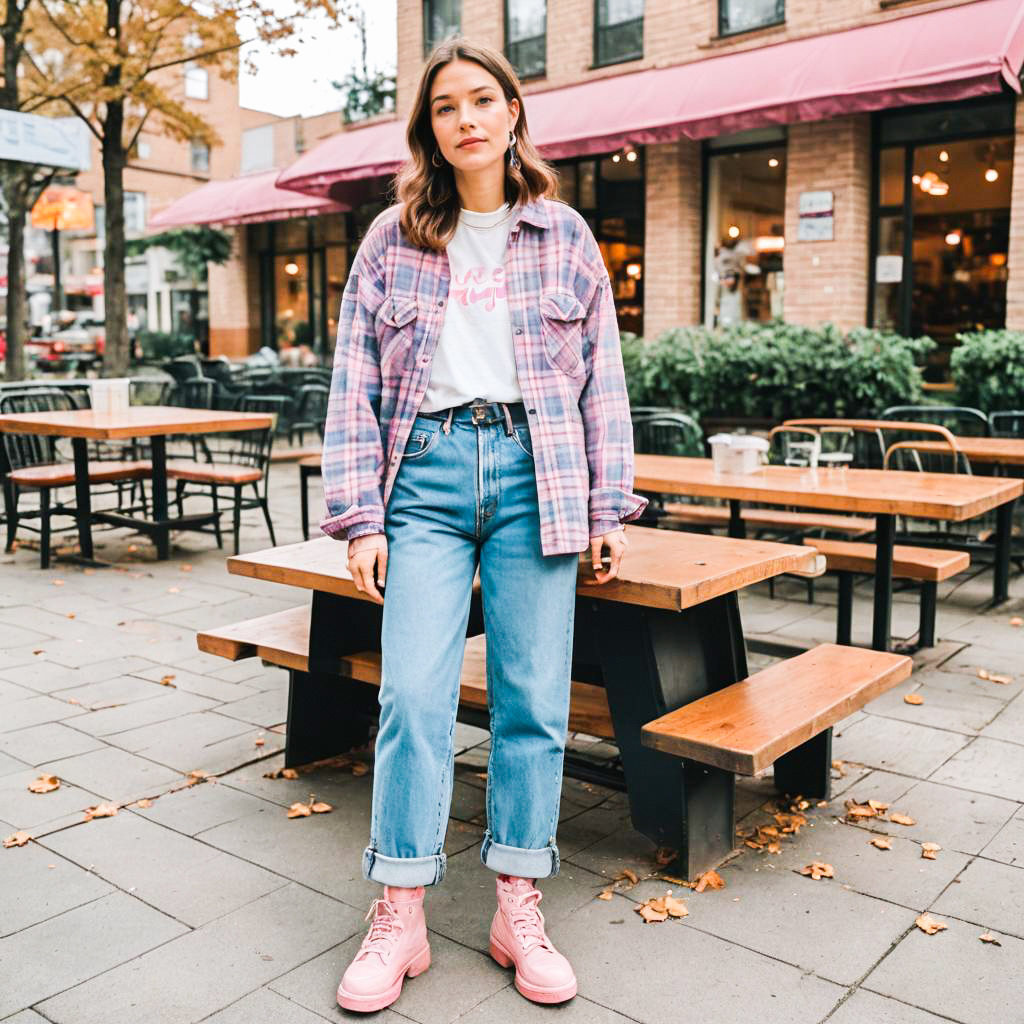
[(599, 29), (723, 19), (191, 67), (508, 43), (194, 146), (428, 43)]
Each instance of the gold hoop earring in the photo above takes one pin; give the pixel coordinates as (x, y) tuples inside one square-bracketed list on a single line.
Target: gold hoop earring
[(434, 156)]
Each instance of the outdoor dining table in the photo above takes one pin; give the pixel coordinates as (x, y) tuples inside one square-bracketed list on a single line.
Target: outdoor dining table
[(882, 493), (153, 421), (666, 632), (993, 451)]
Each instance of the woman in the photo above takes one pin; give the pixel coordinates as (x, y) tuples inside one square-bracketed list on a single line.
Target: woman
[(478, 419)]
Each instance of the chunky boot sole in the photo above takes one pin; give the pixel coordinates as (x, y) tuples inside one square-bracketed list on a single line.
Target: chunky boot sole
[(535, 993), (378, 1000)]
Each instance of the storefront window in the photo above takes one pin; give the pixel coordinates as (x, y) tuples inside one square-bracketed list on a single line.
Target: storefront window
[(609, 192), (745, 241), (941, 235)]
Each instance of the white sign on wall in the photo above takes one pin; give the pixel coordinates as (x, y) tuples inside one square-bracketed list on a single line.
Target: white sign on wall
[(817, 217), (48, 141), (888, 269)]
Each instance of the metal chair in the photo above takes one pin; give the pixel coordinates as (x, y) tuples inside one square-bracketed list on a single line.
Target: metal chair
[(197, 393), (957, 419), (150, 391), (1008, 423), (310, 411), (667, 433)]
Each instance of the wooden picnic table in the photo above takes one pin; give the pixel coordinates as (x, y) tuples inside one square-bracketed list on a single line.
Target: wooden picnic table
[(152, 421), (996, 451), (665, 633), (882, 493)]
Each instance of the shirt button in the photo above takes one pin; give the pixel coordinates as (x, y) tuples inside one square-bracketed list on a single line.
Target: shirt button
[(441, 303), (519, 330)]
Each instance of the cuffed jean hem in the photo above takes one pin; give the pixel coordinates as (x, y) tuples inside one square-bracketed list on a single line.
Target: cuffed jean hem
[(407, 872), (513, 860)]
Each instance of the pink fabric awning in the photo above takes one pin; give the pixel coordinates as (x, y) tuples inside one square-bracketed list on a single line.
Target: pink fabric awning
[(951, 54), (246, 200)]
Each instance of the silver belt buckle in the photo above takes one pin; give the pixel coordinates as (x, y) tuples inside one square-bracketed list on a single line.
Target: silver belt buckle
[(479, 413)]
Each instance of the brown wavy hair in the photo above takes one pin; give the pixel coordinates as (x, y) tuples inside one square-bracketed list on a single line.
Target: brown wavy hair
[(430, 199)]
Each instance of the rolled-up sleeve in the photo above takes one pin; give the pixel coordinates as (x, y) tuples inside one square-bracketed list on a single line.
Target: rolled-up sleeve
[(604, 404), (353, 455)]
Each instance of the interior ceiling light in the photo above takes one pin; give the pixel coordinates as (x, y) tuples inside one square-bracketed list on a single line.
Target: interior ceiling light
[(928, 179), (616, 158), (940, 188), (774, 162), (291, 268), (633, 269), (991, 174), (734, 232), (769, 243), (953, 238), (631, 155), (916, 179), (944, 156)]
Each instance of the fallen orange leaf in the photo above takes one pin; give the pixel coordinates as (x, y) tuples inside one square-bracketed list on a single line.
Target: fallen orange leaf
[(604, 894), (358, 768), (299, 810), (18, 839), (856, 810), (930, 925), (929, 850), (877, 805), (913, 698), (321, 808), (44, 784), (100, 811), (144, 803), (167, 681), (258, 742), (626, 874), (818, 870), (652, 910), (1017, 621), (901, 819), (709, 880), (675, 907), (839, 767), (990, 938), (881, 843)]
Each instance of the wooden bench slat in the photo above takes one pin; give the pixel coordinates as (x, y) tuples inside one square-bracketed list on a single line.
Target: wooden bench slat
[(282, 638), (718, 515), (747, 726), (926, 565)]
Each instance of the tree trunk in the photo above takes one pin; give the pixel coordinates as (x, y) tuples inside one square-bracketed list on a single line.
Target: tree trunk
[(17, 300), (116, 355)]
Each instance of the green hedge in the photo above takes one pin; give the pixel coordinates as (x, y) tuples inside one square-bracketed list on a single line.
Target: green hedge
[(988, 367), (774, 371)]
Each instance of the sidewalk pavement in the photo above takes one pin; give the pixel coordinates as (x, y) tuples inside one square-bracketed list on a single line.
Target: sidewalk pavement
[(210, 904)]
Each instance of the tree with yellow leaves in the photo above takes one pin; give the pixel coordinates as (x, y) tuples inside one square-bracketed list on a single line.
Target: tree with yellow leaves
[(120, 65)]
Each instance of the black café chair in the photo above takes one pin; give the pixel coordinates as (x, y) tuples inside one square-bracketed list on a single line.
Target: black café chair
[(1007, 423), (957, 419)]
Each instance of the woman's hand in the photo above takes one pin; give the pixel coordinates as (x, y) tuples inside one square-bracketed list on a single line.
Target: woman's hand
[(368, 563), (616, 543)]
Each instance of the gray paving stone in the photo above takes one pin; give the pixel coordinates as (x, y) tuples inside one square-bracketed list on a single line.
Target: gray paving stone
[(210, 968), (993, 631), (789, 916), (623, 848), (888, 787), (25, 1017), (10, 693), (1008, 845), (48, 742), (197, 808), (193, 682), (116, 774), (609, 945), (15, 636), (969, 659), (9, 765), (986, 766), (434, 997), (969, 684), (81, 653), (954, 818), (166, 706), (267, 1007), (123, 665), (583, 830), (864, 1007), (263, 709), (335, 785), (32, 971), (110, 692), (953, 974), (38, 885), (1009, 725), (987, 894), (896, 746), (963, 713), (40, 676), (35, 710), (28, 811), (508, 1005), (192, 730), (180, 876)]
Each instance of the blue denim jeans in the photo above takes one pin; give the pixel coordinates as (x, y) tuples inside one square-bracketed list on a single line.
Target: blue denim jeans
[(465, 497)]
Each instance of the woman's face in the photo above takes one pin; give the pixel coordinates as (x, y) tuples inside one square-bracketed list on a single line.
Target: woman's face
[(466, 102)]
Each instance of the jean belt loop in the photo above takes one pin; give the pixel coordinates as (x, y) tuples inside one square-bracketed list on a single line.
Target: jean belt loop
[(447, 425), (509, 429)]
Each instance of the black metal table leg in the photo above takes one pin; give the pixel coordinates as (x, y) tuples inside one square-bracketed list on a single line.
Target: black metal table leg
[(83, 498), (737, 527), (654, 661), (1004, 543), (882, 627), (161, 531), (807, 769)]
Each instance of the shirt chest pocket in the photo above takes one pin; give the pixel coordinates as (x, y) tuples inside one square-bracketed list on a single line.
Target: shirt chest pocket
[(396, 332), (562, 316)]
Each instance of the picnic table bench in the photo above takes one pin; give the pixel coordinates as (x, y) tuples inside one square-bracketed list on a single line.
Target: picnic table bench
[(664, 635)]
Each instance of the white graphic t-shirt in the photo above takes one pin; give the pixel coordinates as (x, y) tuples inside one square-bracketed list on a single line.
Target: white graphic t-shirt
[(474, 356)]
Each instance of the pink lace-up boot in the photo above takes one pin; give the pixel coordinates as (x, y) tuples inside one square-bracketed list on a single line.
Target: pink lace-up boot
[(395, 946), (518, 937)]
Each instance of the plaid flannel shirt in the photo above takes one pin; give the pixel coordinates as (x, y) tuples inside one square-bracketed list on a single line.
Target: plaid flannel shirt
[(568, 360)]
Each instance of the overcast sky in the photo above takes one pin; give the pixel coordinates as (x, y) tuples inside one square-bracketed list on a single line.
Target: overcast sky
[(302, 84)]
